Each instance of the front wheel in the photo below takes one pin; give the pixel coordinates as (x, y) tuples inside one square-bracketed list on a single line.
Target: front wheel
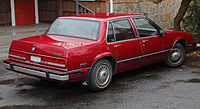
[(100, 76), (177, 56)]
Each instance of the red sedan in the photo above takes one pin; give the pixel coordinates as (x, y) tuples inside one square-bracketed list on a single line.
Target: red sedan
[(94, 47)]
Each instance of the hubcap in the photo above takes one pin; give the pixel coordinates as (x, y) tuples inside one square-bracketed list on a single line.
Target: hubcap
[(176, 56), (102, 75)]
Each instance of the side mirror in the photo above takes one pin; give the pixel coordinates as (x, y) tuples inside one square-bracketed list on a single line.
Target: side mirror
[(162, 33)]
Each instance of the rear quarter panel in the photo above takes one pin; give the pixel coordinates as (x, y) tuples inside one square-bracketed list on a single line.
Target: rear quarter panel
[(85, 56)]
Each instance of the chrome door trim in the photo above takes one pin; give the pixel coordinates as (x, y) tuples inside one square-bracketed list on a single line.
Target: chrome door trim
[(143, 56)]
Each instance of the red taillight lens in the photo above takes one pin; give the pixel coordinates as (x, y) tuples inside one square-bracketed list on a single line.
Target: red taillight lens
[(14, 53), (61, 62), (21, 54), (17, 54), (51, 61), (44, 59), (10, 52)]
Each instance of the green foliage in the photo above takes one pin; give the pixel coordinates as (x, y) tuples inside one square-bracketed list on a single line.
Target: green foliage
[(191, 22), (157, 1)]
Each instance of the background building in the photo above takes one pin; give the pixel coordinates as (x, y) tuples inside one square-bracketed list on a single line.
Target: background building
[(23, 12)]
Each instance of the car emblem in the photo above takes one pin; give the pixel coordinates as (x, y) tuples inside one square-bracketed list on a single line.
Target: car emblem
[(57, 54), (34, 48)]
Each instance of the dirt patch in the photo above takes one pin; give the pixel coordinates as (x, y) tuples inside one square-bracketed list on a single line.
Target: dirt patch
[(193, 59), (153, 76), (194, 80), (196, 72), (25, 81), (24, 107), (19, 81), (6, 82), (163, 86)]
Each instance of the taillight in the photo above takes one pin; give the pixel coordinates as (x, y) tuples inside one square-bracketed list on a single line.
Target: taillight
[(17, 54), (54, 62)]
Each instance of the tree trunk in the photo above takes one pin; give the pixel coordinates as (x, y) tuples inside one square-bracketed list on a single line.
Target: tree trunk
[(180, 14)]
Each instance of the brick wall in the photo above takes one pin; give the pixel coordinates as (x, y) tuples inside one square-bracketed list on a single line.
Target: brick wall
[(162, 13)]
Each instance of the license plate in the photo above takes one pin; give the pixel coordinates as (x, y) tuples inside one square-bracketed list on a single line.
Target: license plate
[(36, 59)]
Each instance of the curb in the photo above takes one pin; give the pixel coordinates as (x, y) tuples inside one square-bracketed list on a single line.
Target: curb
[(7, 43)]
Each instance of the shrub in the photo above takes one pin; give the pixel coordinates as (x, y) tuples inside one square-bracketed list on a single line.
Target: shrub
[(191, 21)]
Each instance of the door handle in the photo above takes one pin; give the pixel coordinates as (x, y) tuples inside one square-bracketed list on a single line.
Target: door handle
[(144, 41), (117, 45)]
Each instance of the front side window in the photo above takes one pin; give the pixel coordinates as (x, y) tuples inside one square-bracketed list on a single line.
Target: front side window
[(87, 29), (123, 30), (144, 27)]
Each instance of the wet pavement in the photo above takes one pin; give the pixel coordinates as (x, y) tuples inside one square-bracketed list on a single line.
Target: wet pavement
[(152, 87)]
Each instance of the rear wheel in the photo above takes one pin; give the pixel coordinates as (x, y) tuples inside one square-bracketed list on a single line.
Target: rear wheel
[(100, 76), (177, 56)]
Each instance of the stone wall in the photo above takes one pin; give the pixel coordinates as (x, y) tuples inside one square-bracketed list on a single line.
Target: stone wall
[(162, 13)]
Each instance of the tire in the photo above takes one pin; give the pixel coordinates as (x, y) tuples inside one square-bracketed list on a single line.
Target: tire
[(100, 76), (177, 56)]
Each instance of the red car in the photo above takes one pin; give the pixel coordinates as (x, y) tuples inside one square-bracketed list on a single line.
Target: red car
[(94, 47)]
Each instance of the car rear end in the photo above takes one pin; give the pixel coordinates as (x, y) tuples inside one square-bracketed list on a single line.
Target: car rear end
[(28, 58), (46, 56), (42, 61)]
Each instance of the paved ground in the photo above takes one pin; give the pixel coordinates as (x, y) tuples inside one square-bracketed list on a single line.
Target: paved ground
[(152, 87), (7, 34)]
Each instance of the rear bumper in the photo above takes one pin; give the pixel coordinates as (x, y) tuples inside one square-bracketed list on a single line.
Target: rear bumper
[(40, 72)]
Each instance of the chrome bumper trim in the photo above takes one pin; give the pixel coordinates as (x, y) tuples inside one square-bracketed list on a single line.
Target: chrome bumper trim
[(34, 72), (39, 65)]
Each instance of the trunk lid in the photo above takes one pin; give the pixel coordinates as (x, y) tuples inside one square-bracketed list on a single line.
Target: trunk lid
[(50, 45)]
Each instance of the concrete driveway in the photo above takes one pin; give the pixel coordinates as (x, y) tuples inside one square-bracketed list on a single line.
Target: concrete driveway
[(152, 87)]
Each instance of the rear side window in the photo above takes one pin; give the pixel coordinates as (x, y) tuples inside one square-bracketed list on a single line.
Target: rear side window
[(123, 30), (110, 35)]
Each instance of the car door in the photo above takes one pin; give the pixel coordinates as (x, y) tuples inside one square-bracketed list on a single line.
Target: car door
[(154, 46), (123, 43)]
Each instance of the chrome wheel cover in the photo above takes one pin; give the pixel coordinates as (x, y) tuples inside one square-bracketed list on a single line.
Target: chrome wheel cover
[(176, 56), (103, 75)]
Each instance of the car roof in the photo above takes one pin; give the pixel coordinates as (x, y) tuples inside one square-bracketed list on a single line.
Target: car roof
[(100, 16)]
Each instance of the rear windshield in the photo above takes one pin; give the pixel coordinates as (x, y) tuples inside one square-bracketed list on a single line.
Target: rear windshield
[(87, 29)]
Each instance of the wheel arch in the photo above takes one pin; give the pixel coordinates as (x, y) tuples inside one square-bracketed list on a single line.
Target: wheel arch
[(180, 40), (108, 56)]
